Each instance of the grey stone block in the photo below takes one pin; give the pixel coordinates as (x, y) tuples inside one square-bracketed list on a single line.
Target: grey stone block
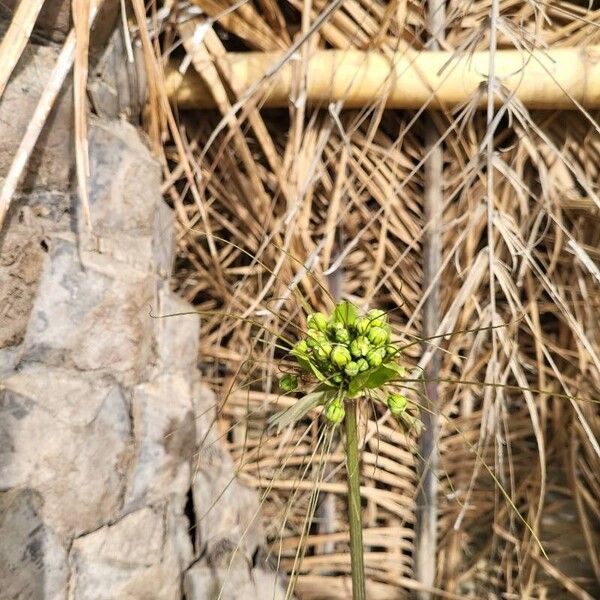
[(233, 581), (124, 195), (24, 245), (33, 562), (21, 261), (163, 241), (177, 334), (164, 441), (92, 318), (228, 512), (117, 87), (133, 559), (50, 164), (68, 437)]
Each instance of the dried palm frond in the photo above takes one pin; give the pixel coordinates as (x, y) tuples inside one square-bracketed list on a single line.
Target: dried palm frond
[(280, 208)]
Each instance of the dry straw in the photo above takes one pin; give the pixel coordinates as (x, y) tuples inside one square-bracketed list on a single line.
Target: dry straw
[(277, 202)]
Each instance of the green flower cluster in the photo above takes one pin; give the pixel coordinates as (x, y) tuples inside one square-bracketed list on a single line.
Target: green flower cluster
[(345, 344), (347, 353)]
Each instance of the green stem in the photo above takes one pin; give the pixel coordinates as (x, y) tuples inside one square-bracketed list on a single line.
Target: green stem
[(354, 506)]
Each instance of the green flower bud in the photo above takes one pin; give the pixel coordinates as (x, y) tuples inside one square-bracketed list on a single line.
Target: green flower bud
[(351, 369), (397, 404), (337, 379), (334, 325), (342, 335), (315, 338), (376, 317), (363, 365), (340, 356), (378, 336), (322, 351), (335, 412), (288, 383), (362, 325), (317, 321), (300, 348), (375, 357), (392, 350), (360, 346)]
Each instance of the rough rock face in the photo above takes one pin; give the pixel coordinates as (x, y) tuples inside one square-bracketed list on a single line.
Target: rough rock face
[(108, 487)]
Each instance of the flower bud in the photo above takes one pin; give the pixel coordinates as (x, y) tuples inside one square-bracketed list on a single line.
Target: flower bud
[(340, 356), (360, 346), (317, 321), (397, 404), (342, 335), (335, 412), (376, 317), (392, 350), (300, 348), (315, 338), (351, 369), (337, 379), (378, 336), (363, 365), (288, 383), (362, 325), (375, 357), (322, 351)]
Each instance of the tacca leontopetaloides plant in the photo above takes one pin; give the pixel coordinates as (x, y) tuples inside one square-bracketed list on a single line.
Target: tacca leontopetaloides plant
[(347, 356)]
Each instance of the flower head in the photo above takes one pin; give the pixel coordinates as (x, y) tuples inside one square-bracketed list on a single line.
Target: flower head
[(377, 318), (378, 336), (340, 356), (288, 383), (342, 335), (351, 369), (360, 346), (317, 321), (334, 412), (363, 365), (347, 353), (397, 404), (362, 325), (375, 357)]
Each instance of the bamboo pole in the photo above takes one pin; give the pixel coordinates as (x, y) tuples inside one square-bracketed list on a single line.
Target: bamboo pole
[(554, 79)]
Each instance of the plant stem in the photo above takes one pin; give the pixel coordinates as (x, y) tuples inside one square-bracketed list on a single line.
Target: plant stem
[(354, 506)]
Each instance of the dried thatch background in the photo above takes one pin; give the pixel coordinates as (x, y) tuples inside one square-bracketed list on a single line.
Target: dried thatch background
[(264, 195)]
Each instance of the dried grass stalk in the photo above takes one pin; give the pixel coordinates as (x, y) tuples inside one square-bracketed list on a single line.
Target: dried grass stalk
[(16, 38), (81, 18)]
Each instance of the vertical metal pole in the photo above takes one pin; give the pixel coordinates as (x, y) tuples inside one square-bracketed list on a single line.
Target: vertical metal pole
[(427, 509)]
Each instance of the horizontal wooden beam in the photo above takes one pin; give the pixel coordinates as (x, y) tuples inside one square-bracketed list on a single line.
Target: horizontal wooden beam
[(554, 79)]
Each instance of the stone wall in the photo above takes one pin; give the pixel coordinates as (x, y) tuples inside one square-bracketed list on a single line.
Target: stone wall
[(113, 482)]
